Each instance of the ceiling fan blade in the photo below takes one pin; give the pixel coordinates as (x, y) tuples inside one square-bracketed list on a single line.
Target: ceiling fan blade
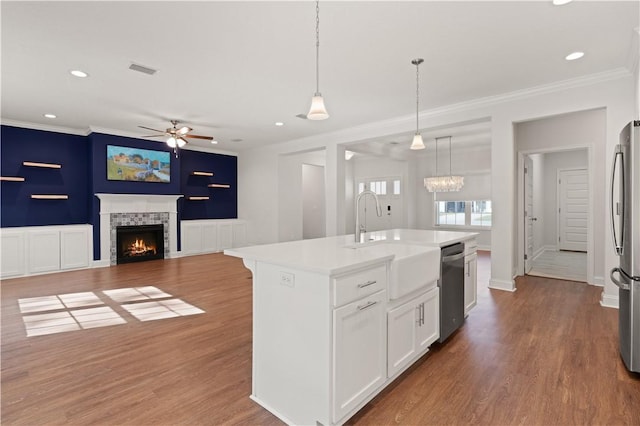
[(209, 138), (183, 139), (153, 130), (152, 136), (184, 130)]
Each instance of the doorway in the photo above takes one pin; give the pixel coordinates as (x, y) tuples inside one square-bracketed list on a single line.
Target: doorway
[(555, 188)]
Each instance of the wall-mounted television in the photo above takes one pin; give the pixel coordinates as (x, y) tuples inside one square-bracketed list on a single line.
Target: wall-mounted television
[(139, 165)]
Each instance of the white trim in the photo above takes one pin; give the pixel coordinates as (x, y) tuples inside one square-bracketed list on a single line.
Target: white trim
[(598, 281), (505, 285), (609, 300), (484, 248), (537, 253)]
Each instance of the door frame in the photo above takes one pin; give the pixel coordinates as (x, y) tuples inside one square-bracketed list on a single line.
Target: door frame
[(519, 220)]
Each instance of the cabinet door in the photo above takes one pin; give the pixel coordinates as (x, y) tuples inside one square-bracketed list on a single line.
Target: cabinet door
[(225, 236), (12, 260), (74, 248), (429, 326), (191, 237), (470, 282), (359, 358), (403, 326), (44, 251)]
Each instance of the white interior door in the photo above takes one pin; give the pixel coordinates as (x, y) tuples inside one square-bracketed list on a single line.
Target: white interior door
[(573, 194), (313, 202), (528, 213)]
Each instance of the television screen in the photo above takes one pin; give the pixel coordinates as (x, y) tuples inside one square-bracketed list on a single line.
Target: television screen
[(134, 164)]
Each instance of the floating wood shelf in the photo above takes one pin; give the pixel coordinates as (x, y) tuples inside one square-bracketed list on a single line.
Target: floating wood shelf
[(219, 185), (12, 178), (202, 173), (49, 197), (197, 198), (45, 165)]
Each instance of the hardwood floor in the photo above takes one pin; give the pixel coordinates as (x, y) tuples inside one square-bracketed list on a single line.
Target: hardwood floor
[(546, 354)]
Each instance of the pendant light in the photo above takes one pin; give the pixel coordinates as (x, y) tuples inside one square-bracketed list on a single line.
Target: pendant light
[(417, 138), (317, 110), (444, 183)]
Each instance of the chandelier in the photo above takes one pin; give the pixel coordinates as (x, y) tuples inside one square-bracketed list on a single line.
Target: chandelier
[(448, 183)]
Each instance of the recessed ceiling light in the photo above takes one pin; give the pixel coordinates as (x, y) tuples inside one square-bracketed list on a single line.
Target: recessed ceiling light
[(561, 2), (78, 73), (279, 123), (49, 115), (236, 140), (573, 56), (214, 141)]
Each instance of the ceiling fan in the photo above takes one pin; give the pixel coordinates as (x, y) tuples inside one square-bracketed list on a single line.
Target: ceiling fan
[(177, 136)]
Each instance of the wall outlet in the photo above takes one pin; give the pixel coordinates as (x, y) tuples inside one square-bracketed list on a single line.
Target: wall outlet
[(288, 279)]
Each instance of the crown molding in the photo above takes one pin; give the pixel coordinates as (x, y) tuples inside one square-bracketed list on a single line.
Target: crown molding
[(405, 123), (45, 127)]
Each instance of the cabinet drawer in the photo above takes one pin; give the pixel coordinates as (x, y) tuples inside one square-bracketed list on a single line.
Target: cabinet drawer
[(348, 288), (470, 246)]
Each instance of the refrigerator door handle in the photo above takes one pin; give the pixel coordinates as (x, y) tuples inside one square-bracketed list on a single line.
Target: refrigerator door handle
[(620, 285), (619, 207)]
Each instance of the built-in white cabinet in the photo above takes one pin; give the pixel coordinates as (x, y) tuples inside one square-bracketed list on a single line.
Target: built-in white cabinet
[(43, 249), (470, 275), (413, 327), (210, 236), (359, 342)]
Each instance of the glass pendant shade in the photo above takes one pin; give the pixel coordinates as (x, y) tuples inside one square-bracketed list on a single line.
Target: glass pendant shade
[(444, 183), (180, 142), (171, 142), (317, 110), (417, 142)]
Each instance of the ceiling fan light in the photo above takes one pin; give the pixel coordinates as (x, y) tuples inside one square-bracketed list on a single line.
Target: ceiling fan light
[(417, 142), (317, 110), (171, 142), (184, 130), (180, 142)]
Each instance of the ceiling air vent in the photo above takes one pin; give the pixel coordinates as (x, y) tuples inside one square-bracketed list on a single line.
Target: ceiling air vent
[(142, 69)]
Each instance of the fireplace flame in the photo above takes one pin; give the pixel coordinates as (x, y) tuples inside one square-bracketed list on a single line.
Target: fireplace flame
[(139, 247)]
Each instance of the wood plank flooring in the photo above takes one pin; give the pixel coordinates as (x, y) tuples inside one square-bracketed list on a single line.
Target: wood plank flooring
[(546, 354), (567, 265)]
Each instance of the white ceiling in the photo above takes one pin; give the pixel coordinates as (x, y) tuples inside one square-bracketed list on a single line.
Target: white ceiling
[(232, 69)]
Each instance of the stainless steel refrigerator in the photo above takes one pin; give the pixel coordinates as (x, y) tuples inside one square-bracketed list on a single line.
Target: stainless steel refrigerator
[(625, 221)]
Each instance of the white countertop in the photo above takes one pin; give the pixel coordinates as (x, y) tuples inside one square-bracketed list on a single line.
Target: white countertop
[(336, 255)]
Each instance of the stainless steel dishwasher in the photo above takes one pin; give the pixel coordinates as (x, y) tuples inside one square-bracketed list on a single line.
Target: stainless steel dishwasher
[(451, 285)]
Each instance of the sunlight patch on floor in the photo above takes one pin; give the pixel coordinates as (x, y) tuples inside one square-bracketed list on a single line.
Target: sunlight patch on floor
[(59, 313)]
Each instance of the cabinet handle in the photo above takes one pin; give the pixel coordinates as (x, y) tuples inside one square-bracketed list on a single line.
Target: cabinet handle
[(366, 305), (422, 313), (468, 268), (367, 284)]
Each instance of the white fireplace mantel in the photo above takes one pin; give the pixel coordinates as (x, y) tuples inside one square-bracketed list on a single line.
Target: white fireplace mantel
[(136, 203)]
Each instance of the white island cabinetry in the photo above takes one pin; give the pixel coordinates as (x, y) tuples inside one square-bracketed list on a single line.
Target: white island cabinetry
[(470, 275)]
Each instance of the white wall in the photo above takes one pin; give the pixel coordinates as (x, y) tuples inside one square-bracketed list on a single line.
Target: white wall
[(612, 90), (553, 162), (560, 136), (313, 205)]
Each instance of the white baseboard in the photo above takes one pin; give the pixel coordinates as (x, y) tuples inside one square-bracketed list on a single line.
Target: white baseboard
[(598, 281), (609, 300), (505, 285), (100, 263), (550, 248), (538, 252), (484, 248)]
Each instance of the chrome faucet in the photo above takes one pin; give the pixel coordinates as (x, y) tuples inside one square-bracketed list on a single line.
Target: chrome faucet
[(360, 228)]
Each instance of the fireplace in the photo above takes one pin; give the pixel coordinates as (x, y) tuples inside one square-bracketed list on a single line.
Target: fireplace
[(139, 243)]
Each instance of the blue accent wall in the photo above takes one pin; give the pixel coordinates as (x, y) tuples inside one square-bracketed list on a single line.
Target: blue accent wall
[(70, 151), (84, 173), (222, 203)]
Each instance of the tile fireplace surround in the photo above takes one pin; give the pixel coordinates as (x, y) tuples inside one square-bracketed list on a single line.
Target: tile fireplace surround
[(143, 209)]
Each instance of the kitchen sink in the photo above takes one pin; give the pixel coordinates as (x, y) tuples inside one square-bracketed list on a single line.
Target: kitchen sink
[(412, 267)]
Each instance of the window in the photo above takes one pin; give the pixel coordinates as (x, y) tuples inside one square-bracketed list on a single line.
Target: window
[(381, 186), (463, 213)]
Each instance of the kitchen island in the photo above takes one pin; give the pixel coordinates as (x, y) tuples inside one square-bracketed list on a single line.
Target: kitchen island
[(334, 322)]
